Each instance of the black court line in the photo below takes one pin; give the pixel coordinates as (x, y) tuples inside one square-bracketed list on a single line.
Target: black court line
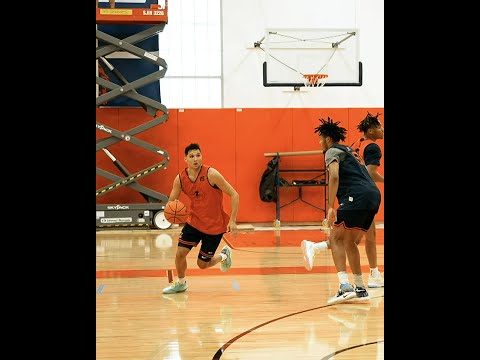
[(220, 351), (350, 348)]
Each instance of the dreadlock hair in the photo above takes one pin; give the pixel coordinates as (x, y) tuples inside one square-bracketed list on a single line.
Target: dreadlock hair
[(369, 122), (330, 128)]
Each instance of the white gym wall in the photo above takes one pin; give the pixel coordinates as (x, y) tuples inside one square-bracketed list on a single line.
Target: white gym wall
[(244, 22)]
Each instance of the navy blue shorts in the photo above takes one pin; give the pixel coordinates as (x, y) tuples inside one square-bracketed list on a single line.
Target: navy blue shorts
[(190, 237), (355, 219)]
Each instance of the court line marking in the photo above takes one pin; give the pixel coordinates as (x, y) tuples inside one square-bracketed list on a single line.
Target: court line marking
[(270, 270), (214, 271), (127, 287), (228, 242), (220, 351), (350, 348), (302, 227)]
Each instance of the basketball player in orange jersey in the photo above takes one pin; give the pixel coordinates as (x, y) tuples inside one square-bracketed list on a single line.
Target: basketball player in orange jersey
[(367, 148), (207, 221)]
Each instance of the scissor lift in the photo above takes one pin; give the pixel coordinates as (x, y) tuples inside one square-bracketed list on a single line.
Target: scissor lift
[(149, 214)]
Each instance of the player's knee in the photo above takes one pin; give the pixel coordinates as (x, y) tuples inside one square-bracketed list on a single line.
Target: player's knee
[(180, 256), (202, 264), (182, 253)]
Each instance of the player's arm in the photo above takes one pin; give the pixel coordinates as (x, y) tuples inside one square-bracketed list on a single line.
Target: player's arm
[(376, 176), (333, 181), (217, 179), (372, 155), (176, 189)]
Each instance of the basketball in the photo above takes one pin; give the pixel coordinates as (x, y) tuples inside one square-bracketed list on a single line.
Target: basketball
[(175, 212)]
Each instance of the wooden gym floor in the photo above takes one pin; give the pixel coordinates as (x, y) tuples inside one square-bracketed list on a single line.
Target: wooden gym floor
[(267, 306)]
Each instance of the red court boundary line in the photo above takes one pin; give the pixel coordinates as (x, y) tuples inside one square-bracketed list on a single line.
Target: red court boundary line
[(215, 271), (228, 242)]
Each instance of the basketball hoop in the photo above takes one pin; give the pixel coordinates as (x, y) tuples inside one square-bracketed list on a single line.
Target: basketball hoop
[(314, 80)]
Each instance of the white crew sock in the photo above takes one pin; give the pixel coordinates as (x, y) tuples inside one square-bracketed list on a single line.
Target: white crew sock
[(182, 280), (358, 280), (320, 246), (343, 277)]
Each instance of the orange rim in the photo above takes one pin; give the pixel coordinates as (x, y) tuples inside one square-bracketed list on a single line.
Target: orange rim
[(312, 79)]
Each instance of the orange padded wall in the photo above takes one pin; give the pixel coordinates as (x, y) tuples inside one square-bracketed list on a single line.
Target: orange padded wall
[(234, 142)]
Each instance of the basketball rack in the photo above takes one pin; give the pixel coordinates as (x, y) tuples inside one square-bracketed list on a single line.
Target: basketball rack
[(148, 214), (299, 184)]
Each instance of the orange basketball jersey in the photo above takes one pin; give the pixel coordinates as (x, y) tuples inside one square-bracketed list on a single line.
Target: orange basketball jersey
[(206, 212)]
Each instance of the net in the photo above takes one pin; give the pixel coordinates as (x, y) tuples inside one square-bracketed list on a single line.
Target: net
[(314, 80)]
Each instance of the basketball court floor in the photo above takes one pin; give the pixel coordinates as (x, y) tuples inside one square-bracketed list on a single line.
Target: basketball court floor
[(267, 306)]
